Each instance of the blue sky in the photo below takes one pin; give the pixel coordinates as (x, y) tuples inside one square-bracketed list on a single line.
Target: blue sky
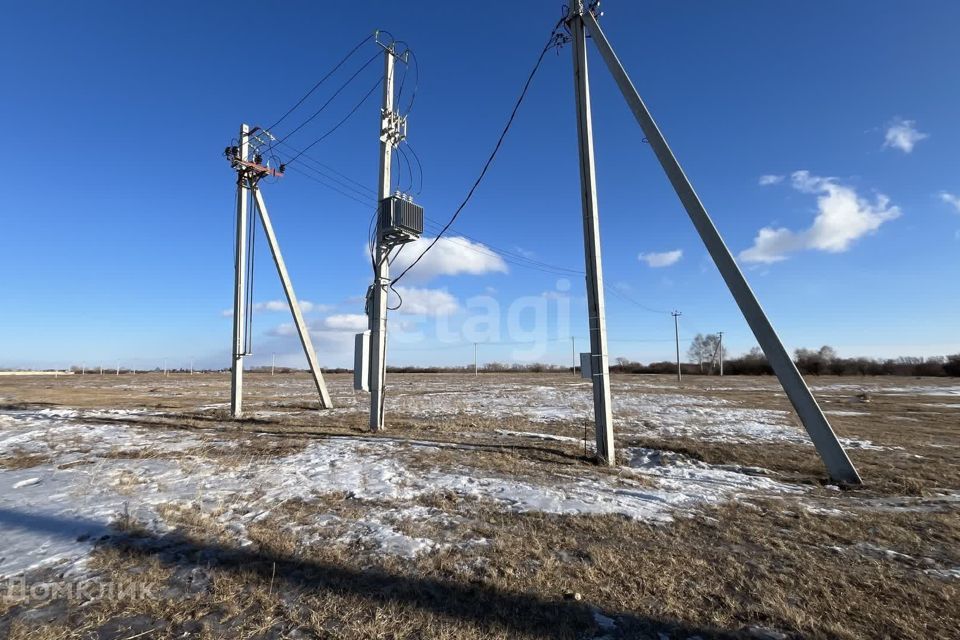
[(118, 204)]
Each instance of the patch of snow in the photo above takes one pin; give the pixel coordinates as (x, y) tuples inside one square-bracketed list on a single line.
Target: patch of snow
[(945, 574), (539, 436), (605, 623), (881, 389), (61, 507)]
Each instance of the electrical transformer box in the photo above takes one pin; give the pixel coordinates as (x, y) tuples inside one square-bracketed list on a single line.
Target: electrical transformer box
[(401, 220)]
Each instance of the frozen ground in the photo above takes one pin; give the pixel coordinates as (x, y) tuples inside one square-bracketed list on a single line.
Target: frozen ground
[(93, 474), (472, 468)]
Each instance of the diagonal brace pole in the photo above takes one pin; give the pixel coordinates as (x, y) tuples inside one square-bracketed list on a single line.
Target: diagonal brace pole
[(834, 457), (325, 402)]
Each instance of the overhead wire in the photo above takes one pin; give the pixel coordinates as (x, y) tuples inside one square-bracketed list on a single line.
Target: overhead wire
[(329, 186), (416, 76), (333, 97), (626, 298), (321, 81), (413, 152), (551, 42), (339, 124), (406, 160)]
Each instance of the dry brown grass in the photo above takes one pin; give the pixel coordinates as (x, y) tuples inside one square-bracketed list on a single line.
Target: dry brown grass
[(772, 564), (833, 564), (23, 460)]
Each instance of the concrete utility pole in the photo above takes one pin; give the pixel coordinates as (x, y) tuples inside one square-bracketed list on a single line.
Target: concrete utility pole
[(676, 333), (831, 451), (239, 281), (476, 364), (599, 364), (249, 174), (273, 364), (720, 351), (377, 312), (573, 355), (164, 367)]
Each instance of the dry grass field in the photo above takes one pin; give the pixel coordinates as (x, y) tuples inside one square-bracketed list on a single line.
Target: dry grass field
[(133, 506)]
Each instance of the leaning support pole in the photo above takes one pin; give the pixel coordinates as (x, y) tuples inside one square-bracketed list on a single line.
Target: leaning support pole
[(240, 274), (302, 330), (838, 465), (599, 361)]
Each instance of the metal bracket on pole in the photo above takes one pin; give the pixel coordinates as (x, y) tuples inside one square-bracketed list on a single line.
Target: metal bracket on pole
[(302, 330), (834, 457)]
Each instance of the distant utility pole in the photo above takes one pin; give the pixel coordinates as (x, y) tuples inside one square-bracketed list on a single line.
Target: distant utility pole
[(191, 366), (720, 352), (273, 364), (676, 332), (164, 367), (573, 355), (118, 368), (476, 365)]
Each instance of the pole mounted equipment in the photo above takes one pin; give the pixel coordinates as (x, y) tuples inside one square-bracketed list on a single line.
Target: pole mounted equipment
[(250, 170), (398, 221)]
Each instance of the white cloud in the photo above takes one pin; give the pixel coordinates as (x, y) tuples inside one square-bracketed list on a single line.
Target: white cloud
[(271, 306), (451, 256), (346, 322), (903, 135), (664, 259), (842, 217), (770, 179), (283, 330), (951, 199), (425, 302), (278, 305)]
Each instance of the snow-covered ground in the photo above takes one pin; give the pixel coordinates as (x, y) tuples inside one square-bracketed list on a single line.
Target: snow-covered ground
[(638, 408), (94, 472), (89, 468)]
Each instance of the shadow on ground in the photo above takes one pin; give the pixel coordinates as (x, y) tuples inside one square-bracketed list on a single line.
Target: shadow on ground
[(490, 610)]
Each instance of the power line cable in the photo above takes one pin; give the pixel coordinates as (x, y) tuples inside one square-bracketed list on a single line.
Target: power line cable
[(339, 124), (630, 300), (419, 166), (416, 76), (331, 99), (551, 42), (406, 160), (329, 186), (320, 82)]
